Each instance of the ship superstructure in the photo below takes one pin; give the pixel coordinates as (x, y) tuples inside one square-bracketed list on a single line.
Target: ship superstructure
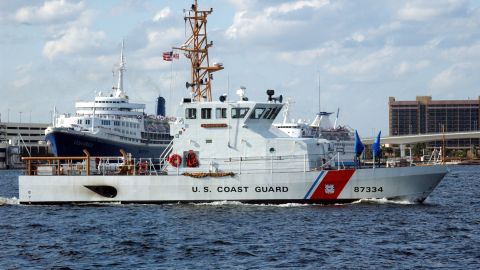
[(107, 124)]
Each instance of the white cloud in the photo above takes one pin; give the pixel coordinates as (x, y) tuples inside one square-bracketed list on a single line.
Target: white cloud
[(371, 65), (406, 67), (294, 6), (308, 57), (50, 11), (73, 40), (422, 10), (24, 68), (152, 63), (463, 53), (162, 14), (268, 22), (451, 78), (358, 37), (22, 82), (23, 75)]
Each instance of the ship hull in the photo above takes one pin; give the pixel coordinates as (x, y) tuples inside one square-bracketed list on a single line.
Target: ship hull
[(67, 143), (412, 184)]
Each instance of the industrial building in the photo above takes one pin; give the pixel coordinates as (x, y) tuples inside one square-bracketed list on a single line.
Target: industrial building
[(21, 139), (425, 115)]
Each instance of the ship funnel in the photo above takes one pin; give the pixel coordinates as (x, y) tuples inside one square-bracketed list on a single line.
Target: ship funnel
[(161, 106)]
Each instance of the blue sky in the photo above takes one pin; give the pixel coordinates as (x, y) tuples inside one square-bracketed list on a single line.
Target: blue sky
[(56, 52)]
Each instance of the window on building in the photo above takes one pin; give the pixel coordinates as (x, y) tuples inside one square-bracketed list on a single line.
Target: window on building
[(257, 113), (190, 113), (220, 113), (239, 112), (206, 113), (267, 113)]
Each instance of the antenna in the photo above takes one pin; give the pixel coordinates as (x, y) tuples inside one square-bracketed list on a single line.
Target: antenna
[(319, 108), (196, 49), (336, 119)]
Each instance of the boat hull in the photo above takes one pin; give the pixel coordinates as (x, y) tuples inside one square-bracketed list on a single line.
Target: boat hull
[(334, 186), (67, 143)]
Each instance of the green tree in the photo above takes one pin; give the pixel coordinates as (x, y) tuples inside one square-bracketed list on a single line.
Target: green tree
[(417, 149)]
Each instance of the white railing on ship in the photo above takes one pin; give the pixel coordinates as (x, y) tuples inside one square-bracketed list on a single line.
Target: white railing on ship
[(239, 165), (155, 166), (164, 156)]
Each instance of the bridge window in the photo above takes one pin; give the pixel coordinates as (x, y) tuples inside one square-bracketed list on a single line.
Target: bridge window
[(267, 113), (221, 113), (257, 113), (206, 113), (274, 113), (239, 112), (191, 113)]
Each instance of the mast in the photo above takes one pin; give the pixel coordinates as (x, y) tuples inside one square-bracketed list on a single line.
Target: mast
[(286, 113), (121, 69), (196, 49)]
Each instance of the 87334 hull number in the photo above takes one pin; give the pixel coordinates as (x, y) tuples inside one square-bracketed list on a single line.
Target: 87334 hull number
[(367, 189)]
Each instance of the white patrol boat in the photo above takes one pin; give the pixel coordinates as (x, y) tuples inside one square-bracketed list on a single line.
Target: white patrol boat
[(221, 151)]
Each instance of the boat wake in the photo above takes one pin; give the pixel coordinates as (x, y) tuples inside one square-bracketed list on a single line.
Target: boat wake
[(383, 201), (9, 201), (235, 203)]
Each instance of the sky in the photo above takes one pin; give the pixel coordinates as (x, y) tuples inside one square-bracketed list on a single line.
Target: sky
[(56, 52)]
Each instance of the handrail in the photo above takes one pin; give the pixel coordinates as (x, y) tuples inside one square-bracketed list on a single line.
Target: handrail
[(125, 165)]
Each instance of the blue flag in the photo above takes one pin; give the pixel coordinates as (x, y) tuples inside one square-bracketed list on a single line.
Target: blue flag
[(358, 145), (376, 146)]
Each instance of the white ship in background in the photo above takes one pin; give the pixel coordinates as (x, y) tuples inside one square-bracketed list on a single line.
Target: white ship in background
[(110, 123), (341, 138)]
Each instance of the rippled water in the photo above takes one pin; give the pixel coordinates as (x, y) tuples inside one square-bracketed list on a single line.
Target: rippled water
[(444, 232)]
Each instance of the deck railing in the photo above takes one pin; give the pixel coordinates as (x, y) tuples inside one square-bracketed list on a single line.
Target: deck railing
[(125, 165)]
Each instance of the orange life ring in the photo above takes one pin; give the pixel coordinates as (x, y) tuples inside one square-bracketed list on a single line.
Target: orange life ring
[(175, 160)]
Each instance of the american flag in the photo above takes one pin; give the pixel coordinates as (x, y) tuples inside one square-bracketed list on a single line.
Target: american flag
[(169, 56)]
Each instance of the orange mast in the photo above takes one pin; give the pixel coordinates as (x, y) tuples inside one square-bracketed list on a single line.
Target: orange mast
[(196, 49)]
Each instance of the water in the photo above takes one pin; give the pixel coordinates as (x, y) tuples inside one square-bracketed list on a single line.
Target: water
[(444, 232)]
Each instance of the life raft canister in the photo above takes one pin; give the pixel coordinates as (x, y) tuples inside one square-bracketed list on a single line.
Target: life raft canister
[(192, 160), (175, 160)]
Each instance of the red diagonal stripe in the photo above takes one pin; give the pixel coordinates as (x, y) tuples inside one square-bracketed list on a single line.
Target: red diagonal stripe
[(336, 178)]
